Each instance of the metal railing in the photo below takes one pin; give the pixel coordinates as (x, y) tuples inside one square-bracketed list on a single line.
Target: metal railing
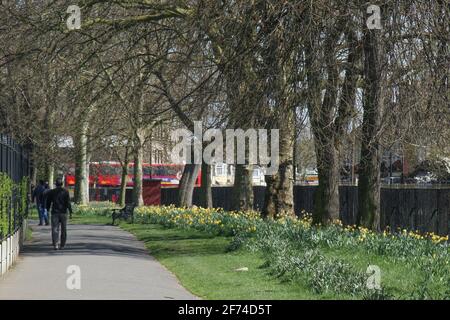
[(14, 162), (14, 159), (16, 213)]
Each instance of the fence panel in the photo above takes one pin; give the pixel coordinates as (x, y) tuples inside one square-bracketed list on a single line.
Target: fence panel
[(423, 209)]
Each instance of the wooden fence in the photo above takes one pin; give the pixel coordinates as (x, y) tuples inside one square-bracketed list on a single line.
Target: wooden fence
[(422, 209)]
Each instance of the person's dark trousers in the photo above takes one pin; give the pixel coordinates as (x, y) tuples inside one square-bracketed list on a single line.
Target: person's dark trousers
[(57, 220)]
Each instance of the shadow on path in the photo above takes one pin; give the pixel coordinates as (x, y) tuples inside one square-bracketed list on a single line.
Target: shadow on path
[(113, 264)]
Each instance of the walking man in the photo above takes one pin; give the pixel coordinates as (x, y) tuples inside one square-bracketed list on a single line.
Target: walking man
[(38, 196), (59, 200)]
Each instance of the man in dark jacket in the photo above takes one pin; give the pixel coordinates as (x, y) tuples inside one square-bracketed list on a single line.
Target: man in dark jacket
[(59, 200), (38, 196)]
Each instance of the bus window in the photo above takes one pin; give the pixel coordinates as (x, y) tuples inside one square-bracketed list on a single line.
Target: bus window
[(147, 170), (109, 170)]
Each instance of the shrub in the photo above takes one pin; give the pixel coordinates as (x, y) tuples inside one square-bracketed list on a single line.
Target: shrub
[(13, 200), (6, 187)]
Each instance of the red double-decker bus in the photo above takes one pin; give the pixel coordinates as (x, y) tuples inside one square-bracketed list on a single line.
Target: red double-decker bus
[(109, 174)]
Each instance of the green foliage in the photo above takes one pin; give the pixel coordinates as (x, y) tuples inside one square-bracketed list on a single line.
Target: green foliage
[(213, 221), (203, 266), (22, 192), (435, 280), (293, 249), (329, 261), (6, 188), (291, 261)]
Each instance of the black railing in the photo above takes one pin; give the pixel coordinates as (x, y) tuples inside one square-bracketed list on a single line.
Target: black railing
[(14, 162), (14, 159)]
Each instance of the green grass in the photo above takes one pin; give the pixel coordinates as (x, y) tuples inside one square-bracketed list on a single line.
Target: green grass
[(204, 267), (396, 277), (90, 219)]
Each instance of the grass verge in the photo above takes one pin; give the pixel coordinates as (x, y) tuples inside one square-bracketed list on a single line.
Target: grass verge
[(203, 265)]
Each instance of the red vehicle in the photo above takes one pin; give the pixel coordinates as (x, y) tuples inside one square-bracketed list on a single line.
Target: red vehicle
[(109, 174)]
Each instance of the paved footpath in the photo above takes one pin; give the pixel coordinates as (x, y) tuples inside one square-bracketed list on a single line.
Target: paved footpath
[(113, 265)]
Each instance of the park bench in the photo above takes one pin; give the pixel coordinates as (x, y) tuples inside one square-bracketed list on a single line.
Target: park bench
[(125, 213)]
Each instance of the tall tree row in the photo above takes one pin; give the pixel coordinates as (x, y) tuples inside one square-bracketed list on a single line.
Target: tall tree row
[(232, 64)]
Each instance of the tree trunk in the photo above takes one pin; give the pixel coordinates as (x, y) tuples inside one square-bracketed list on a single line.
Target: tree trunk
[(206, 192), (242, 195), (88, 173), (370, 164), (123, 181), (51, 175), (138, 175), (81, 175), (34, 175), (187, 184), (76, 189), (326, 198), (279, 197), (328, 125)]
